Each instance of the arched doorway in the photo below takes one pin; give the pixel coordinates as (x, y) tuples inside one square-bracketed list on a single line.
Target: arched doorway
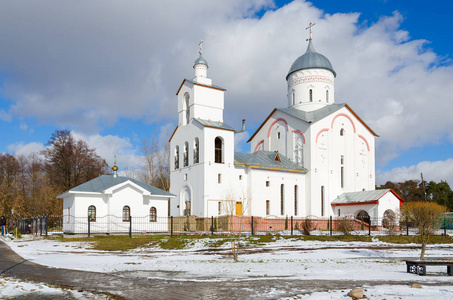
[(186, 200), (363, 216)]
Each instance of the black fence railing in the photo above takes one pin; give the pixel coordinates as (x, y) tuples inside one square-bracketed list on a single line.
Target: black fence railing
[(45, 225)]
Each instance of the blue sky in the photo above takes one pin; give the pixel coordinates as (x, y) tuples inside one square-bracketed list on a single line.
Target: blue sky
[(109, 71)]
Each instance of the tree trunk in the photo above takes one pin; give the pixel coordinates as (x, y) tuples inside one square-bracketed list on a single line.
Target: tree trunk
[(422, 255)]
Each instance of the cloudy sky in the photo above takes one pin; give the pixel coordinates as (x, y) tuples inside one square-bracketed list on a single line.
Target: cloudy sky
[(109, 71)]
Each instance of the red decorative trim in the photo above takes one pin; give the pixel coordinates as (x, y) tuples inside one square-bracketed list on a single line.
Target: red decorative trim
[(173, 133), (356, 203), (372, 202), (321, 131), (273, 123), (199, 84), (364, 139), (361, 121), (262, 124), (344, 115), (257, 145), (300, 132)]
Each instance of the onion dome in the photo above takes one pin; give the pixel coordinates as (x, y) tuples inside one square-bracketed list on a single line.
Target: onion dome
[(200, 61), (309, 60)]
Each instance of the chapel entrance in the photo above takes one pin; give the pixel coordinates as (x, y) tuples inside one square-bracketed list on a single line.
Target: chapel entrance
[(238, 208), (363, 216)]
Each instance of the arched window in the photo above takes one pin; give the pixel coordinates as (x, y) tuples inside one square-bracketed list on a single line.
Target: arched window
[(186, 109), (92, 213), (327, 96), (153, 214), (295, 200), (342, 171), (177, 157), (126, 213), (218, 150), (310, 94), (298, 150), (341, 132), (322, 201), (186, 154), (282, 199), (293, 96), (390, 220), (196, 151)]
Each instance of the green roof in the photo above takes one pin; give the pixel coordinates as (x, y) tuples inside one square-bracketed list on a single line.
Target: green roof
[(267, 160), (104, 182)]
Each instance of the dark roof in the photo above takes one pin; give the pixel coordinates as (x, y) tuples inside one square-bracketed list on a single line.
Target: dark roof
[(363, 197), (312, 116), (214, 124), (267, 160), (309, 60), (104, 182)]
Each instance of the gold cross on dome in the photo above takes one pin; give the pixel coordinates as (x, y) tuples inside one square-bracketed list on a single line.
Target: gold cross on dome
[(309, 27)]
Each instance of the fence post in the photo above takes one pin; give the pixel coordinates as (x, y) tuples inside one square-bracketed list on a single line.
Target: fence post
[(47, 223), (369, 228), (407, 228), (130, 226), (171, 226), (291, 225), (212, 225), (330, 225), (253, 229), (445, 225), (89, 226), (40, 226)]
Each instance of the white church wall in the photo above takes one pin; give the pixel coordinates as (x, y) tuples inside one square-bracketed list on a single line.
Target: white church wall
[(388, 202), (68, 213), (186, 181), (208, 104), (318, 81), (266, 185)]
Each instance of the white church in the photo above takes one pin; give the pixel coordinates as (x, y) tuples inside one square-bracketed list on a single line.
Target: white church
[(313, 157)]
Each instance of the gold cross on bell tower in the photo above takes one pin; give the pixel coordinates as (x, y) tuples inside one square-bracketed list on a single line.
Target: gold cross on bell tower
[(309, 27)]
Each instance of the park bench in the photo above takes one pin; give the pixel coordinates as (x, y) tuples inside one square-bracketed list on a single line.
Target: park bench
[(419, 266)]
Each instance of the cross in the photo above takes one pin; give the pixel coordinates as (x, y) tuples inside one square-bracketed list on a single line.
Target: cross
[(309, 27), (201, 46)]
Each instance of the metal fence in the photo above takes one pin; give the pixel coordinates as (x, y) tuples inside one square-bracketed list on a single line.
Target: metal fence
[(222, 225)]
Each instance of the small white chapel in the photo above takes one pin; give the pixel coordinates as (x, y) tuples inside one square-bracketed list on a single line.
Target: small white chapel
[(312, 157)]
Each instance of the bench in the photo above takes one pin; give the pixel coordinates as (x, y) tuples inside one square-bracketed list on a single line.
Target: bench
[(419, 266)]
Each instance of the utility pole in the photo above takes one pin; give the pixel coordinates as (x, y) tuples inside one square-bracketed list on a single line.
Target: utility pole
[(423, 184)]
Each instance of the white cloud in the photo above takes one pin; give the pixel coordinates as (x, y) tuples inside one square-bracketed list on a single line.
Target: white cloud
[(432, 171), (108, 146), (25, 149), (84, 66)]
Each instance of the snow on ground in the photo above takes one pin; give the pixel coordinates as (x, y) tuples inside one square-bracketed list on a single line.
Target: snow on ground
[(13, 288), (284, 258)]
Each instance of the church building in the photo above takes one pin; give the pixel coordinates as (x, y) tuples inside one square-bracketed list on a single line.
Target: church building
[(313, 157)]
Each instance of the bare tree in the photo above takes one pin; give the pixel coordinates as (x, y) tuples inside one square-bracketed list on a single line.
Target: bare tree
[(155, 168), (70, 162), (229, 207), (426, 217)]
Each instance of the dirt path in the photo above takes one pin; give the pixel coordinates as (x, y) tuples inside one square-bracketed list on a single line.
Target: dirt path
[(130, 287)]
